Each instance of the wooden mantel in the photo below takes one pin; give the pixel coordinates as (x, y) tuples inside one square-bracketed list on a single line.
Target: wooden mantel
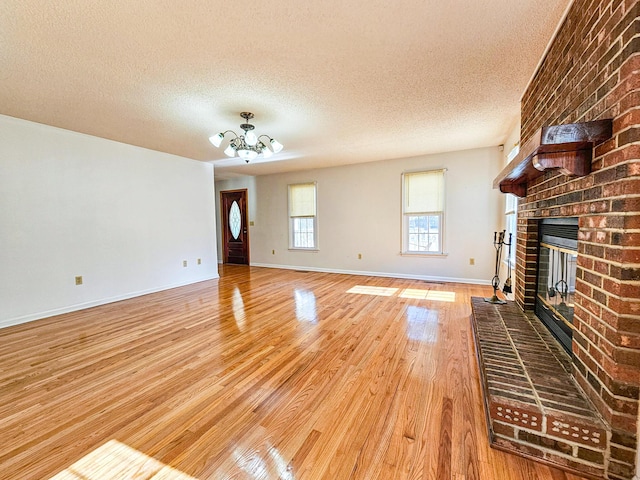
[(568, 148)]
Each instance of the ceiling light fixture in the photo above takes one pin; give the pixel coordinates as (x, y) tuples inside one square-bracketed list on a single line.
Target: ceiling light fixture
[(248, 146)]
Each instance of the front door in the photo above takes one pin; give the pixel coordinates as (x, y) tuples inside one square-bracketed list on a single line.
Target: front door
[(235, 234)]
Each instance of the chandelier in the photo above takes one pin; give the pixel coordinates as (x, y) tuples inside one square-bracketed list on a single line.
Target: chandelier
[(247, 145)]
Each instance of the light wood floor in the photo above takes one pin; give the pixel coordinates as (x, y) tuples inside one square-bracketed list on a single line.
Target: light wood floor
[(262, 374)]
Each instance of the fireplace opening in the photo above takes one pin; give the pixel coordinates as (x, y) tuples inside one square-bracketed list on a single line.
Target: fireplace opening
[(557, 257)]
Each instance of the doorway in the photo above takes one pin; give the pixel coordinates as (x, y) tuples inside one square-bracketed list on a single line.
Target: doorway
[(234, 225)]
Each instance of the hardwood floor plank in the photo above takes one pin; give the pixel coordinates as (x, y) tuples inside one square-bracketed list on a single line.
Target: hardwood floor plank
[(263, 373), (473, 425), (444, 449), (301, 454)]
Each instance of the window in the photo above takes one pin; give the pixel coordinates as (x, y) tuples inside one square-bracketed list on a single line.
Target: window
[(511, 213), (511, 225), (423, 212), (303, 228)]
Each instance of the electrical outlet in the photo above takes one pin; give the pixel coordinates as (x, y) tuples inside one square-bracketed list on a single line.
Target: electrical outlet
[(79, 280), (184, 263), (199, 261), (472, 261), (359, 256)]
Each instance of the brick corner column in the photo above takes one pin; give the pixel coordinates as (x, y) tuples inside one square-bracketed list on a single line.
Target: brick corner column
[(526, 262)]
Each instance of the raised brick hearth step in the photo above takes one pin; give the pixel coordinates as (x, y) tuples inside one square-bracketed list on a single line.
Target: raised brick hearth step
[(534, 406)]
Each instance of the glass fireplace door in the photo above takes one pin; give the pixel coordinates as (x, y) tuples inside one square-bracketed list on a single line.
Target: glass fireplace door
[(557, 258)]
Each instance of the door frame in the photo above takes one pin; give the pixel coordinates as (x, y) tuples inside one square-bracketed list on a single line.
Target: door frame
[(224, 220)]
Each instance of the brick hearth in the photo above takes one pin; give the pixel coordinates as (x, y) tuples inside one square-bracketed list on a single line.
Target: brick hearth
[(535, 408)]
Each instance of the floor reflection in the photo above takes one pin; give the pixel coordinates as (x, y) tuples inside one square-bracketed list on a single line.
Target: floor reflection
[(237, 304), (422, 324), (260, 467), (305, 306)]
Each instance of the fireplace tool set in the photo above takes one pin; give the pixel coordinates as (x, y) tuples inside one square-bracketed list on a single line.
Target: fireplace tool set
[(498, 243), (561, 286)]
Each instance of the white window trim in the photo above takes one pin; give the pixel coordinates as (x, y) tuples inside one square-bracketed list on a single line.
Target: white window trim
[(292, 248), (423, 254), (405, 228)]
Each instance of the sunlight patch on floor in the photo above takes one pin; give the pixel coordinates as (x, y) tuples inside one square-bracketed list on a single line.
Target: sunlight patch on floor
[(115, 460), (413, 293), (369, 290), (422, 294)]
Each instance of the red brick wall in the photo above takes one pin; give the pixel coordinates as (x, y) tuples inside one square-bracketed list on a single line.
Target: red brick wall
[(592, 72)]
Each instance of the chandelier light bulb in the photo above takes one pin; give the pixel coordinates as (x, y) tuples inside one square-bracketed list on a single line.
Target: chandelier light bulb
[(216, 140), (230, 151), (247, 145), (276, 145), (250, 138)]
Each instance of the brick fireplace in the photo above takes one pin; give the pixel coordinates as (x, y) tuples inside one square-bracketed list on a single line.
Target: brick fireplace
[(592, 72)]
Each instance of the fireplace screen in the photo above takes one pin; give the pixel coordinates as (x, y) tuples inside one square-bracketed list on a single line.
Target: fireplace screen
[(557, 256)]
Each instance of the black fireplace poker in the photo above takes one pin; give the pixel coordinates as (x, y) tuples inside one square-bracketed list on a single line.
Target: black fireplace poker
[(498, 243)]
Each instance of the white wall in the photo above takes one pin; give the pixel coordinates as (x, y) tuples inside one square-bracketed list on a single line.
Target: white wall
[(359, 211), (121, 216)]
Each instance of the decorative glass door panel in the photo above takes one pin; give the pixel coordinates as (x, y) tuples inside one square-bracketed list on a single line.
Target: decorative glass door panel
[(235, 221)]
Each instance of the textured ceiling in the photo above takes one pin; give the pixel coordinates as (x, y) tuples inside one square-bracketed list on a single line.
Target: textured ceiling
[(336, 82)]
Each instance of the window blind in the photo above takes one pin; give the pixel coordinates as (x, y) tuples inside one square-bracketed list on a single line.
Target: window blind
[(424, 192), (302, 200)]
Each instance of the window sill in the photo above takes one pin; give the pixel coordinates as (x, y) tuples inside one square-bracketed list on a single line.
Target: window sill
[(313, 250), (423, 254)]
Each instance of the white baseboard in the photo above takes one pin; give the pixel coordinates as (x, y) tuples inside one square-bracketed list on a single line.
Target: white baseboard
[(94, 303), (429, 278)]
